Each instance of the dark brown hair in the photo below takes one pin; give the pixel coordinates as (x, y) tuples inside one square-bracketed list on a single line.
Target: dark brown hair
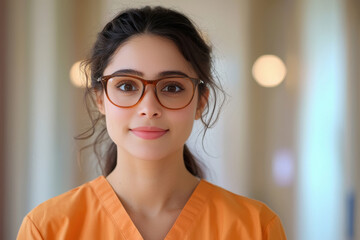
[(161, 22)]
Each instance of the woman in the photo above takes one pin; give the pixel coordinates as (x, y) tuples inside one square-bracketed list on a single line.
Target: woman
[(151, 75)]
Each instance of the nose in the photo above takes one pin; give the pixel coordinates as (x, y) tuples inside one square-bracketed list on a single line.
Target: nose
[(149, 106)]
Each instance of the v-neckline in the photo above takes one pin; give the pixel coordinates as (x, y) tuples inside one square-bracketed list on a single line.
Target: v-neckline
[(127, 228)]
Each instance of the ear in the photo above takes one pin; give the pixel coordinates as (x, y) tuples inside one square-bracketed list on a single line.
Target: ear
[(202, 104), (99, 95)]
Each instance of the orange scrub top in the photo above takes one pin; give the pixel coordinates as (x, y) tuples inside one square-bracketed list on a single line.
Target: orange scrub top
[(93, 211)]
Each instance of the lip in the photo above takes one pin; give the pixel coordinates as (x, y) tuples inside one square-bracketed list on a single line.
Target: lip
[(149, 133)]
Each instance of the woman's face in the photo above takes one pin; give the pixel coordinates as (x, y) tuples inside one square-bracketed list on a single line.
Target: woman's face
[(148, 130)]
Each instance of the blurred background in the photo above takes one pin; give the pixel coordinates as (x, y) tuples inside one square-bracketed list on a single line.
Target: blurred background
[(288, 135)]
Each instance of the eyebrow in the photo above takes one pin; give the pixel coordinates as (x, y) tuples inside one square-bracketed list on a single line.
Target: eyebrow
[(140, 74)]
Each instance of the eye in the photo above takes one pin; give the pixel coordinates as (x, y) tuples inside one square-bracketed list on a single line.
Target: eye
[(127, 86), (172, 88)]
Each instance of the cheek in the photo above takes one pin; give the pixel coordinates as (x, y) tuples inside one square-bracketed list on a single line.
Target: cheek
[(117, 120), (183, 120), (184, 115)]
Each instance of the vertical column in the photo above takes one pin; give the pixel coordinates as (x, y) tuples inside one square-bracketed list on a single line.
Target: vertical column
[(352, 127), (17, 114), (320, 184), (274, 29), (3, 83), (43, 122), (87, 19)]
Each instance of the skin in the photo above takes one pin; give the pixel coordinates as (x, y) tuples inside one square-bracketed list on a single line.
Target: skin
[(150, 178)]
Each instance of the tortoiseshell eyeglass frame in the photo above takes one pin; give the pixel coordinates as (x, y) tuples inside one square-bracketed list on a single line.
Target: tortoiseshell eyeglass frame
[(104, 80)]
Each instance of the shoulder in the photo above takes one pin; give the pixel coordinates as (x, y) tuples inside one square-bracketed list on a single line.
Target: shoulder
[(232, 216), (66, 202), (69, 205), (76, 214), (239, 208)]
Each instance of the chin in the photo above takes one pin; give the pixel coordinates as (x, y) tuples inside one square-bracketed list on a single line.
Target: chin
[(150, 155), (154, 153)]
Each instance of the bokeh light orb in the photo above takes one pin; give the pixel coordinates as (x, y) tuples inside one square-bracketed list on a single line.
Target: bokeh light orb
[(77, 75), (269, 70)]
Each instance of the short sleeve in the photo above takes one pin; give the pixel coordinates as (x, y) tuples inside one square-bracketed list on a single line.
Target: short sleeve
[(28, 230), (275, 230)]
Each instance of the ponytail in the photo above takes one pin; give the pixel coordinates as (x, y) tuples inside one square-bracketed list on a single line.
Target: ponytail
[(191, 163)]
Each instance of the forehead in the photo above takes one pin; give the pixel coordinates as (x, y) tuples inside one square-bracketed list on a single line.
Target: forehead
[(149, 54)]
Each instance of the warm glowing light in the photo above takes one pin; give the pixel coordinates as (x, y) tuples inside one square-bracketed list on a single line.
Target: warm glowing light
[(77, 75), (205, 37), (269, 70)]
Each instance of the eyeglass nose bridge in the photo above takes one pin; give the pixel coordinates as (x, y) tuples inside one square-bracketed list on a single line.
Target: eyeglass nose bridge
[(146, 83)]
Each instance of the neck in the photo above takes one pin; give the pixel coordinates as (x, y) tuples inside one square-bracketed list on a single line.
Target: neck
[(152, 186)]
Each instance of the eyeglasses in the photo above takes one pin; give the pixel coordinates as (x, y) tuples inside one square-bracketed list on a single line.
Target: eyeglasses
[(173, 92)]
